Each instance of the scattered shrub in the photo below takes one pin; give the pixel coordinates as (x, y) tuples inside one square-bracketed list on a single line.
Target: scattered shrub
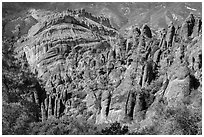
[(115, 129)]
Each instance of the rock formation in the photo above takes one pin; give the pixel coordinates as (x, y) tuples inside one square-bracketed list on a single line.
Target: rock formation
[(146, 31), (170, 35), (80, 60), (187, 27)]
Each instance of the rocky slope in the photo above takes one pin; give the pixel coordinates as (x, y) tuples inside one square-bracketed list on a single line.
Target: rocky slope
[(88, 69)]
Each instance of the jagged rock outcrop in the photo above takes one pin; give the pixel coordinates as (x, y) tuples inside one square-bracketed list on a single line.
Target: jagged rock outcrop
[(130, 104), (146, 31), (170, 35), (197, 30), (148, 73), (157, 55), (85, 67), (188, 26), (54, 49), (105, 106)]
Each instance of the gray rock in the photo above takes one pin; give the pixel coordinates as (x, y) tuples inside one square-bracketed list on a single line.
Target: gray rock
[(147, 73), (177, 90), (146, 31), (130, 104), (50, 107), (170, 35), (157, 55), (187, 27), (43, 112)]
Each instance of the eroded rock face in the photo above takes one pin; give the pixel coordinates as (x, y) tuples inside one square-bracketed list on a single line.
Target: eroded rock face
[(60, 50), (85, 67)]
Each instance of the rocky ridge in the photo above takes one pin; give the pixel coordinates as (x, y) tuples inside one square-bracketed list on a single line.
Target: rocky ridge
[(88, 69)]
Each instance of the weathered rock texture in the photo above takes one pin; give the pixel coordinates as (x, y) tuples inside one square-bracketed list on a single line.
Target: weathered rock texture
[(85, 66)]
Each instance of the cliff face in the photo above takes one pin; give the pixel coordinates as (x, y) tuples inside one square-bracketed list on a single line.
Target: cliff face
[(87, 69), (63, 50)]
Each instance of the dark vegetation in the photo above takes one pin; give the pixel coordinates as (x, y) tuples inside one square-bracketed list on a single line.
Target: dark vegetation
[(17, 111)]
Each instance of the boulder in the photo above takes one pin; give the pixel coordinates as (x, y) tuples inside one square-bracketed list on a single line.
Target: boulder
[(178, 88), (146, 31), (182, 72)]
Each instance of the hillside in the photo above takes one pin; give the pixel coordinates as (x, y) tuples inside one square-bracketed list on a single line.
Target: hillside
[(129, 68)]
